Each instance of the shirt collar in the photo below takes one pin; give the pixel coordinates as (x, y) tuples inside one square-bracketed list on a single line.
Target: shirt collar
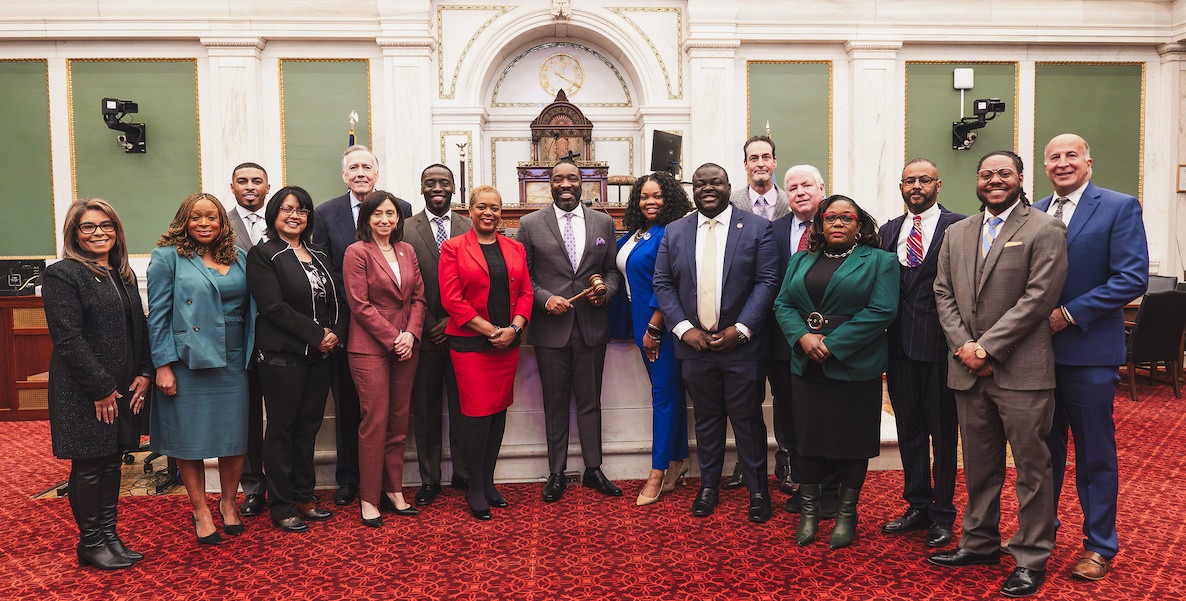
[(354, 200), (1074, 196), (1004, 214), (724, 217), (771, 195), (577, 213), (926, 215), (243, 213)]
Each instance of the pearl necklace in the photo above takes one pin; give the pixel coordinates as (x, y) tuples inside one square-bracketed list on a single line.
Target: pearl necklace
[(840, 255)]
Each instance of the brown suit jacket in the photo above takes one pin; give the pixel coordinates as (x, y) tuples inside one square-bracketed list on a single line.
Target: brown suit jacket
[(379, 308)]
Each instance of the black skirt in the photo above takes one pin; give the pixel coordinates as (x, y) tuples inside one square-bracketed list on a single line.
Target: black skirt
[(836, 419)]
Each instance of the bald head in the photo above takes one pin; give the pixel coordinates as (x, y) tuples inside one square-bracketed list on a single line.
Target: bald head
[(1067, 159)]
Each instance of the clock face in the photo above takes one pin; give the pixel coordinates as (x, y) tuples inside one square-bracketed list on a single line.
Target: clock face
[(561, 71)]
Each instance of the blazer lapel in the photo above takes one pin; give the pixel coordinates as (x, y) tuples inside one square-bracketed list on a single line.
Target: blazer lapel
[(428, 237), (373, 250), (731, 241), (1088, 203), (1008, 229), (345, 222), (847, 268), (470, 243), (196, 261)]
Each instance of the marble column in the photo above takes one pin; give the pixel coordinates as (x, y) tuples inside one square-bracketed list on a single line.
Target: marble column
[(232, 132), (872, 163), (404, 135), (1164, 218)]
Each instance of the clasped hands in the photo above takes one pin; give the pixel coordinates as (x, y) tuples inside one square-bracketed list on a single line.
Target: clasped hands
[(973, 364), (813, 345), (328, 342), (403, 346), (723, 341)]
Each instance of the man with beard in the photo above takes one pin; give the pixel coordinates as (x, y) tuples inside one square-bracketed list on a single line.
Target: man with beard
[(333, 230), (999, 277), (566, 244), (249, 186), (762, 196), (715, 282), (924, 407), (426, 231)]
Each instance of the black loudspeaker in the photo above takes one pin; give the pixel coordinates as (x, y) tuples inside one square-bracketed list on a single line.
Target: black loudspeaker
[(20, 276)]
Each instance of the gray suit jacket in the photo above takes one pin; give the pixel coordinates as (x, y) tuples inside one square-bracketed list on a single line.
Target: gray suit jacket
[(242, 236), (552, 275), (420, 233), (1003, 300), (740, 199)]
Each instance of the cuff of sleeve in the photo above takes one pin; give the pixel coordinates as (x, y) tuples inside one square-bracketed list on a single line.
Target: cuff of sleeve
[(744, 329), (681, 328)]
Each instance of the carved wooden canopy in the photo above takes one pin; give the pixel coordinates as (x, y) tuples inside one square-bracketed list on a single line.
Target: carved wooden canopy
[(561, 127)]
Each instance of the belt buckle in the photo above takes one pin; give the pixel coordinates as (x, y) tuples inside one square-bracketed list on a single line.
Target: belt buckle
[(815, 320)]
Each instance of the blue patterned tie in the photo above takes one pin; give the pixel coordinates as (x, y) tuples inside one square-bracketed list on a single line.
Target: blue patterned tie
[(570, 241), (990, 235), (441, 235)]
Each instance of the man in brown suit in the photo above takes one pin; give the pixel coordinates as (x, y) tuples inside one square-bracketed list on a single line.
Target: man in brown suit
[(1000, 275)]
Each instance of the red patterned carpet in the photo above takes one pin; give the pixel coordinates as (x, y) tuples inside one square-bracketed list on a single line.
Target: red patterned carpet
[(583, 547)]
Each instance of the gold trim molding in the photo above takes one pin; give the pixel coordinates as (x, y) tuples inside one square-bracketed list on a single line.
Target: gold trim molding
[(49, 132), (538, 47), (831, 102), (469, 144), (440, 42), (679, 44), (494, 154)]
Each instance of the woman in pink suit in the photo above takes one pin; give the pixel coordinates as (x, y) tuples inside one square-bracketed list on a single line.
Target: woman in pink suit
[(487, 293), (387, 306)]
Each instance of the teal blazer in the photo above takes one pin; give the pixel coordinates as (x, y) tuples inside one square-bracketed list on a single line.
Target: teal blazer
[(185, 316), (865, 287)]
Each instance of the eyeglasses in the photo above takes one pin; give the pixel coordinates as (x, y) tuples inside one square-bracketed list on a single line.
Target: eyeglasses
[(845, 218), (925, 180), (1004, 172), (297, 212), (89, 228)]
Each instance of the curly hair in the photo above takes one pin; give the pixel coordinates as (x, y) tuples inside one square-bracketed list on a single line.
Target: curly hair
[(223, 245), (675, 202), (866, 235)]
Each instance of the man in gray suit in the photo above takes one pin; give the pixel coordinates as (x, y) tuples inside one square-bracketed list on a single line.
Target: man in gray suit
[(566, 243), (249, 185), (1000, 275), (762, 197), (426, 231)]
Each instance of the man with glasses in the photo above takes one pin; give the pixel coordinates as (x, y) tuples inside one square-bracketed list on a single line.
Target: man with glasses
[(924, 407), (1000, 274)]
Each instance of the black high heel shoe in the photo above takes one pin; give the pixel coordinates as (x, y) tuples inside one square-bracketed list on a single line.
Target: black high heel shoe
[(386, 504), (497, 501), (210, 539), (375, 522), (230, 529), (483, 514)]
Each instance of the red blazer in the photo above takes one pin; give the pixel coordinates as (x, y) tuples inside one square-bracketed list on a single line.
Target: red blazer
[(465, 281), (380, 310)]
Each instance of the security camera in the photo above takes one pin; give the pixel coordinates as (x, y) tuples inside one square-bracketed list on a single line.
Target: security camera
[(986, 106), (963, 132), (133, 137)]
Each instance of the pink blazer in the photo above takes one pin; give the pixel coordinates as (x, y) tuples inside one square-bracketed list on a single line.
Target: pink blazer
[(379, 309)]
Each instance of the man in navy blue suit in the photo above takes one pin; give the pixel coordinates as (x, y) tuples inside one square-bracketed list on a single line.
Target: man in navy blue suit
[(924, 407), (1109, 267), (715, 281)]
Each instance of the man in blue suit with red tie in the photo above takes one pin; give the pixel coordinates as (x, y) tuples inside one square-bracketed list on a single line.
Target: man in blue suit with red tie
[(1108, 267)]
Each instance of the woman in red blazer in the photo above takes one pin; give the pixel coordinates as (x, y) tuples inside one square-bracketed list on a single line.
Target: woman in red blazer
[(486, 291), (387, 306)]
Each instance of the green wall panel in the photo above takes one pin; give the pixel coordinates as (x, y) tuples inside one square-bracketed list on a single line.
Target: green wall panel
[(146, 188), (1102, 103), (796, 98), (316, 99), (932, 104), (26, 176)]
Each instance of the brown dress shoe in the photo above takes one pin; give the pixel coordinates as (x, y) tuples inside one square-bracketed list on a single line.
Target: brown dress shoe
[(1092, 566)]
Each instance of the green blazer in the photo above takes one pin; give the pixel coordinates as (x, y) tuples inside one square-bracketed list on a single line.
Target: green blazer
[(865, 287)]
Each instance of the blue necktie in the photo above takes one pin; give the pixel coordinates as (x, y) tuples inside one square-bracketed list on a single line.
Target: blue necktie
[(990, 234)]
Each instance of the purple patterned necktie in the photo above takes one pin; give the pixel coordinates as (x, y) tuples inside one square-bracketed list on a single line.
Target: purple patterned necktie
[(570, 241)]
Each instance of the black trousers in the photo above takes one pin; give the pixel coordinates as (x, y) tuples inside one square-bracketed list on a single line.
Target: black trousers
[(253, 479), (296, 405), (565, 373), (925, 414), (347, 417), (436, 381), (779, 376), (723, 389), (480, 444)]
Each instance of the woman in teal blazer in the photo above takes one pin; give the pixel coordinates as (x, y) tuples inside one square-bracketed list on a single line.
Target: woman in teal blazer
[(835, 304), (201, 330)]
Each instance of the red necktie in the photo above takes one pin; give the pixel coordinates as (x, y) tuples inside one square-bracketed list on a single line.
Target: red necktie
[(804, 238), (914, 244)]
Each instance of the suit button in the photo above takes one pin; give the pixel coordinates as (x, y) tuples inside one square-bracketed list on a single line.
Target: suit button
[(189, 301), (196, 328)]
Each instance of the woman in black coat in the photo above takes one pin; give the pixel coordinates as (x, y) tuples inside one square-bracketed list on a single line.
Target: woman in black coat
[(297, 329), (99, 373)]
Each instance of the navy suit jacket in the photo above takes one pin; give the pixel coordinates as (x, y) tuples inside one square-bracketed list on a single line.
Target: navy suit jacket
[(916, 332), (1108, 266), (747, 291), (781, 229), (334, 228)]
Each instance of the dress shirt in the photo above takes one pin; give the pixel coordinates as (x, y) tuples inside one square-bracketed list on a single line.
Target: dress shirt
[(771, 197), (930, 221), (799, 229), (244, 217), (722, 235), (987, 216), (356, 204), (578, 227), (1068, 208)]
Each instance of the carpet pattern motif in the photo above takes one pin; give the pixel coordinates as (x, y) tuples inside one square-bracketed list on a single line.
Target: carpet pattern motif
[(584, 547)]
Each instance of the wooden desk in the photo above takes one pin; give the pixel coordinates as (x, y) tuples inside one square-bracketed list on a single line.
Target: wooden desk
[(25, 348), (1130, 310)]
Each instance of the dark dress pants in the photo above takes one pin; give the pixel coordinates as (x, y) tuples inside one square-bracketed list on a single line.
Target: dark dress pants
[(296, 398), (722, 389), (564, 373), (253, 479), (924, 411), (347, 417), (435, 381)]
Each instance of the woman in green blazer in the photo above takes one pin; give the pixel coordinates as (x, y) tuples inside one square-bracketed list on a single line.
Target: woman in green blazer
[(834, 306)]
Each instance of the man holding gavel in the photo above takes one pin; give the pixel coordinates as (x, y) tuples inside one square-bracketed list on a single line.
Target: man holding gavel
[(567, 245)]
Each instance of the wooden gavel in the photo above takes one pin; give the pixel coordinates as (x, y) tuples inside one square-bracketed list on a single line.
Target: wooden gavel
[(597, 286)]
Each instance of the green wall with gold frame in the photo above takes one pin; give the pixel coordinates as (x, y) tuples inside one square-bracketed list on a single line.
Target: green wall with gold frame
[(26, 179), (796, 98)]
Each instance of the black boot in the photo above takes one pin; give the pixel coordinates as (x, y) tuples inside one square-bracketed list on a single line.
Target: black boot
[(846, 518), (107, 509), (85, 492), (808, 514)]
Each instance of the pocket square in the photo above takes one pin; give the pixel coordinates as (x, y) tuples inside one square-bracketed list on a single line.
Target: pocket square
[(1014, 243)]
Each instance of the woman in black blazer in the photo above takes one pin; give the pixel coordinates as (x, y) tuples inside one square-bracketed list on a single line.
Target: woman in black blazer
[(99, 373), (295, 332)]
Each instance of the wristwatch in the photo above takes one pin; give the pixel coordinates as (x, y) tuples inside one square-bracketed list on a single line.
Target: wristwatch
[(517, 329), (980, 352), (741, 337)]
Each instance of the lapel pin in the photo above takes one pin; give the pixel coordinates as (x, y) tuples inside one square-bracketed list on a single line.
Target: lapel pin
[(646, 236), (738, 226)]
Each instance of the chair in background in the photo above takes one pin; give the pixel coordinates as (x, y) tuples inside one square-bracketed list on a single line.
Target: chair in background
[(1157, 337), (1161, 283)]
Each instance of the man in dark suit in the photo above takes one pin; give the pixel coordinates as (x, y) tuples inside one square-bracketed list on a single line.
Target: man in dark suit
[(1109, 266), (715, 282), (333, 230), (924, 407), (426, 231), (249, 186), (1000, 274), (566, 244)]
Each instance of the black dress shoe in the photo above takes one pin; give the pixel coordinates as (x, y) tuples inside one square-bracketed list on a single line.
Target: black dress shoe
[(759, 507), (1023, 582), (828, 506), (252, 506), (497, 501), (737, 480), (345, 494), (375, 522), (481, 514), (913, 519), (594, 478), (459, 483), (786, 483), (705, 503), (310, 512), (213, 538), (292, 523), (938, 535), (554, 489), (958, 558), (427, 494)]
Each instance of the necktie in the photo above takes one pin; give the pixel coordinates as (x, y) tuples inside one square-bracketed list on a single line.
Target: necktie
[(990, 234), (441, 235), (257, 230), (1058, 204), (763, 207), (914, 244), (706, 293), (804, 238), (570, 241)]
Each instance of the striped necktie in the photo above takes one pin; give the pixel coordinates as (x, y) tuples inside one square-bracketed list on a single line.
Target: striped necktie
[(440, 231), (914, 244), (990, 234)]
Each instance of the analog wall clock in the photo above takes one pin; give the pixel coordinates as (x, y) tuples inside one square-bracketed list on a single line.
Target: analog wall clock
[(561, 71)]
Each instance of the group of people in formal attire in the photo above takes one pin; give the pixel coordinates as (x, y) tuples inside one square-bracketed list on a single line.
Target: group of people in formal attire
[(987, 322)]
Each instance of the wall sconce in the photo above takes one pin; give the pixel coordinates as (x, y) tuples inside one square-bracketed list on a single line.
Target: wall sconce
[(963, 132), (133, 137)]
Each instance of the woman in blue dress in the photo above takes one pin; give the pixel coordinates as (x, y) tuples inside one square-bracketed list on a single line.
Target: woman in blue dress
[(655, 201), (201, 332)]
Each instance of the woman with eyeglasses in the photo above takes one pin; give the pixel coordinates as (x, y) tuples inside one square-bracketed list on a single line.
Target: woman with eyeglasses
[(99, 372), (297, 328), (834, 306)]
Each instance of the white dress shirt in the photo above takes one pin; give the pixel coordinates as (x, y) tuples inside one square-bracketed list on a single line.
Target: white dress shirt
[(799, 228), (244, 216), (930, 222), (1068, 208), (721, 231)]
